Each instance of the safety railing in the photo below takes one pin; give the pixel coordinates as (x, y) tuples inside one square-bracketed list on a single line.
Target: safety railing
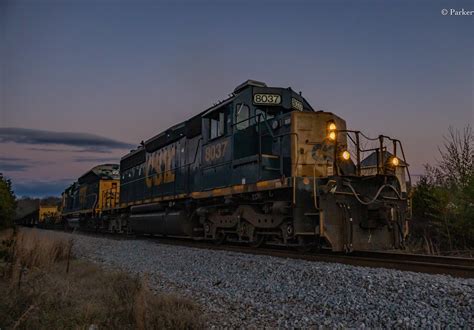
[(258, 123), (386, 149)]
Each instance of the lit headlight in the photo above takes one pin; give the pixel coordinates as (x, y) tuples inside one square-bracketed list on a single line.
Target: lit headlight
[(395, 161), (331, 130), (346, 155)]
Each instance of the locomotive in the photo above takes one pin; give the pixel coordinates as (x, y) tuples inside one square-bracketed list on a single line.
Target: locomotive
[(261, 166)]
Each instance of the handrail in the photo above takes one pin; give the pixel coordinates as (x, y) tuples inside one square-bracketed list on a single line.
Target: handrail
[(404, 159), (380, 149)]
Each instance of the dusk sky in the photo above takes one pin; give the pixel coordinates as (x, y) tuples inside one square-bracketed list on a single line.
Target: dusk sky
[(82, 82)]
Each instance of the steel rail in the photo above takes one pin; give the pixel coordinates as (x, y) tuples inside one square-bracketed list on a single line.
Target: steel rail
[(454, 266)]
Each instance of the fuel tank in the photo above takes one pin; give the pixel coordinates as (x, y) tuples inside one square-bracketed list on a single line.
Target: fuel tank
[(73, 222), (155, 219)]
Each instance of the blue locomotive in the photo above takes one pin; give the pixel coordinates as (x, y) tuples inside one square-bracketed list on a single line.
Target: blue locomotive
[(260, 166)]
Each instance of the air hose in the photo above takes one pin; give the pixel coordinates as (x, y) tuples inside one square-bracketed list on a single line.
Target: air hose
[(376, 195)]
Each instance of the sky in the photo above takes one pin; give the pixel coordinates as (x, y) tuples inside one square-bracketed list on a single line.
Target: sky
[(83, 82)]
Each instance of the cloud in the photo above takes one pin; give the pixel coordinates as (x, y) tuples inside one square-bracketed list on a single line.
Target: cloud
[(12, 159), (40, 188), (91, 150), (86, 141), (13, 164), (97, 160), (12, 167)]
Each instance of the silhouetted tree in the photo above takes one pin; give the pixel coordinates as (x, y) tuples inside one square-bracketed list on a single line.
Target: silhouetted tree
[(456, 166), (7, 203)]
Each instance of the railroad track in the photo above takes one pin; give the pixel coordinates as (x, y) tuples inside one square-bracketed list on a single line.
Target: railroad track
[(454, 266)]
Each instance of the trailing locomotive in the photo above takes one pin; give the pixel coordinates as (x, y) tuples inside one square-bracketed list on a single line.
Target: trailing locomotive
[(95, 192), (260, 166)]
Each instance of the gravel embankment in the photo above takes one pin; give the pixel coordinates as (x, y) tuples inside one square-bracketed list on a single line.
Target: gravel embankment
[(241, 290)]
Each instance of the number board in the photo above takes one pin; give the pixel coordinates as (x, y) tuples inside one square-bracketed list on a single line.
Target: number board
[(296, 104), (270, 99), (216, 152)]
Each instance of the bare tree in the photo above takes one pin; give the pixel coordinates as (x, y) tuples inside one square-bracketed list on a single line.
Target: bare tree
[(457, 157)]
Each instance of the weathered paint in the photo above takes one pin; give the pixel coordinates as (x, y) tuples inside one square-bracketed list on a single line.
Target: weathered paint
[(109, 191), (247, 188), (47, 212), (159, 168), (312, 153)]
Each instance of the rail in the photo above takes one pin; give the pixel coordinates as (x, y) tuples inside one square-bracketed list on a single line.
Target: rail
[(457, 267), (453, 266)]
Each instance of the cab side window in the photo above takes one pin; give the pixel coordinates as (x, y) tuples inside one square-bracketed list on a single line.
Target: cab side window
[(262, 115), (217, 125), (242, 114)]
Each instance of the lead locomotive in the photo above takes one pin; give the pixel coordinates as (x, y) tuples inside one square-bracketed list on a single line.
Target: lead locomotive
[(260, 166)]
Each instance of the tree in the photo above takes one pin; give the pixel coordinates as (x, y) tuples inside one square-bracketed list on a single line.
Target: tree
[(443, 200), (457, 157), (7, 203)]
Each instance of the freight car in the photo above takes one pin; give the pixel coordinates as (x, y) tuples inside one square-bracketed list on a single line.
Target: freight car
[(260, 166), (30, 212)]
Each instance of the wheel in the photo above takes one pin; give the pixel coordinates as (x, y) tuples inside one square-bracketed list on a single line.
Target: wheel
[(258, 241), (220, 238), (305, 244)]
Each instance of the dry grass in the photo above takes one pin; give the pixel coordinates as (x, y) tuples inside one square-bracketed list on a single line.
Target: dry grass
[(29, 249), (37, 292)]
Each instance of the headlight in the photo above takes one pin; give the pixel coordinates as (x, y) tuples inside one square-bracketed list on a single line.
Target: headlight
[(331, 129), (346, 155), (395, 161)]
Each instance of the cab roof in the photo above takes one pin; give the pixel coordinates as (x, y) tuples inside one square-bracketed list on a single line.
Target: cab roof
[(103, 172)]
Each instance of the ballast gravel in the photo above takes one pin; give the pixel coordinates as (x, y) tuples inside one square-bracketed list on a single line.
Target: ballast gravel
[(242, 290)]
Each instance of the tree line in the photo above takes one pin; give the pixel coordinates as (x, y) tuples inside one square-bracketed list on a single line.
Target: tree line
[(443, 199)]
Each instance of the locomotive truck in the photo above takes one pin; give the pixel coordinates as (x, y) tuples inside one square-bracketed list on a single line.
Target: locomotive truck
[(262, 166)]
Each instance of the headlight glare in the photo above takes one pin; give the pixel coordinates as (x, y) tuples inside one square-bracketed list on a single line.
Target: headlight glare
[(346, 155)]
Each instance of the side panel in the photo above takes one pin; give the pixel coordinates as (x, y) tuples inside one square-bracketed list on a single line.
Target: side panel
[(193, 161), (216, 163), (88, 195), (160, 170)]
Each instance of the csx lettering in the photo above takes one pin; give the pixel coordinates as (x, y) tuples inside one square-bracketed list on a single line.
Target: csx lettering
[(161, 162), (215, 151)]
